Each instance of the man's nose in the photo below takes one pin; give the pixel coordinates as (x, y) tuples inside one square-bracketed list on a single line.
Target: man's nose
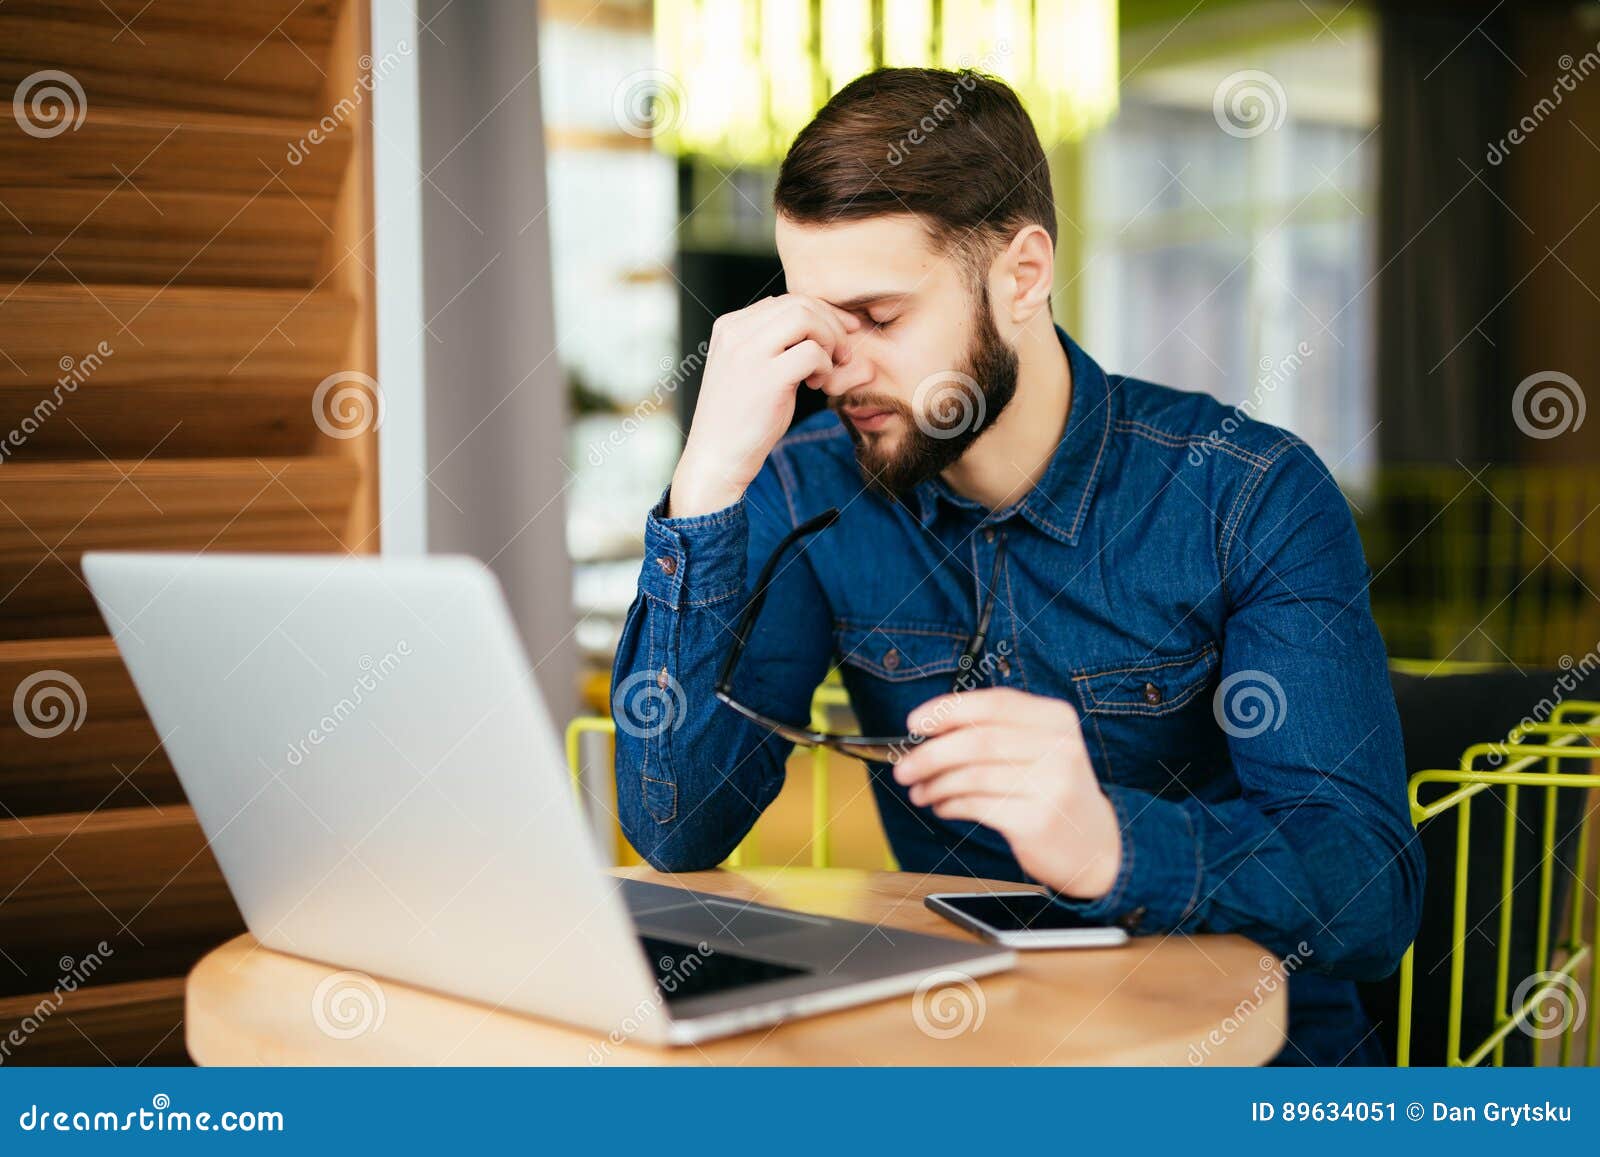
[(853, 374)]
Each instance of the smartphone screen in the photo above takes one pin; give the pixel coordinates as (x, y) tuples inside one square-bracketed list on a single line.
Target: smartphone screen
[(1032, 912)]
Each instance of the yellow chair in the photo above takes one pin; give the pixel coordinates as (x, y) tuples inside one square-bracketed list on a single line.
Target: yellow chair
[(1537, 756)]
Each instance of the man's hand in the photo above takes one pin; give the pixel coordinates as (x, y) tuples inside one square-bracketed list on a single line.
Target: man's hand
[(1016, 762), (756, 359)]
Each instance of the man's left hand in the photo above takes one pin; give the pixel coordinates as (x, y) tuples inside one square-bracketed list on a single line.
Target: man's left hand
[(1017, 763)]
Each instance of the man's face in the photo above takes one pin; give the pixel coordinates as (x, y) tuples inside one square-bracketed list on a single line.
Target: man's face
[(928, 373)]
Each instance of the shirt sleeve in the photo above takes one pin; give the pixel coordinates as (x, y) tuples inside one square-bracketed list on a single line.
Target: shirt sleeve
[(693, 776), (1318, 856)]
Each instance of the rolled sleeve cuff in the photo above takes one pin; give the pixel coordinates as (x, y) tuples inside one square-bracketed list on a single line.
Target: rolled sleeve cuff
[(1158, 879), (694, 561)]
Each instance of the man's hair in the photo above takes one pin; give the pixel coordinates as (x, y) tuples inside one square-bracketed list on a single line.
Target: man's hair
[(956, 149)]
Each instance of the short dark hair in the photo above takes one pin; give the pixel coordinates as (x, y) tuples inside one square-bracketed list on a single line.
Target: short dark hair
[(956, 149)]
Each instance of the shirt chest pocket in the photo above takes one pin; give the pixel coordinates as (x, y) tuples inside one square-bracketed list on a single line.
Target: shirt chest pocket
[(1147, 720), (899, 652), (891, 667)]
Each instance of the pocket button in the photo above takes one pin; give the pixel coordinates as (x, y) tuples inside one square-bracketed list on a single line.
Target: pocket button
[(1152, 694), (891, 660)]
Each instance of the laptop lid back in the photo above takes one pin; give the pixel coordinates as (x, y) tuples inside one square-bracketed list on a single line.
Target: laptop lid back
[(369, 756)]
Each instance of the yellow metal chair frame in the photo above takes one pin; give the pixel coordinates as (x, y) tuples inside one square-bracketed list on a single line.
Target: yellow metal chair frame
[(1552, 744)]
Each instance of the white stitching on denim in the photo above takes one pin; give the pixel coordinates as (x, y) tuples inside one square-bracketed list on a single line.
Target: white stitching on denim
[(1178, 441)]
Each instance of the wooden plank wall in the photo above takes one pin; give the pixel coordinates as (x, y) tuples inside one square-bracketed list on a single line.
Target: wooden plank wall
[(181, 268)]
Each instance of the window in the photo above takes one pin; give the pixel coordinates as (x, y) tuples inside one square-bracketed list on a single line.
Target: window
[(1228, 231)]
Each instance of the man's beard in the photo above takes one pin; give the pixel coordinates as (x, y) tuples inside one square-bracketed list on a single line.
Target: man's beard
[(949, 412)]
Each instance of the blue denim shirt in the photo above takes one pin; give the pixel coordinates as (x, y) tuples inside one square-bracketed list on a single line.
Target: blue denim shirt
[(1190, 580)]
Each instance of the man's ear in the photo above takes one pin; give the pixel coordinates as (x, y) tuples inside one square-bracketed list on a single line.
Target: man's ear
[(1025, 273)]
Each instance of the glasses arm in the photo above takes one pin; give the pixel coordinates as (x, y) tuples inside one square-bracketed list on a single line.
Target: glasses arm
[(741, 630), (979, 636)]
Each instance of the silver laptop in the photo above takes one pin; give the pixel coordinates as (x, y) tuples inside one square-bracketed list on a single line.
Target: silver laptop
[(366, 749)]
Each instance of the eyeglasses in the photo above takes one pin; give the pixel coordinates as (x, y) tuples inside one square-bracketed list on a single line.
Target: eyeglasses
[(879, 748)]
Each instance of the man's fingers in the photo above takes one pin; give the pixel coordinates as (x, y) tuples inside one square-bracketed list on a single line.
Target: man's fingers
[(804, 361), (801, 318), (964, 747), (997, 779), (992, 811), (990, 705)]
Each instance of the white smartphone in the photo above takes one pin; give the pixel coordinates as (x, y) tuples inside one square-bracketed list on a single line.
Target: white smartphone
[(1023, 920)]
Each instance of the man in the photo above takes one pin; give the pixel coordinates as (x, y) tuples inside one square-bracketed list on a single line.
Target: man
[(1181, 720)]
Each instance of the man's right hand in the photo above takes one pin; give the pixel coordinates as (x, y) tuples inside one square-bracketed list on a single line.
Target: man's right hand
[(756, 359)]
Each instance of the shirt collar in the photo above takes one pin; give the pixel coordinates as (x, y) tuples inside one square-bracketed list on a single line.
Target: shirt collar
[(1060, 502)]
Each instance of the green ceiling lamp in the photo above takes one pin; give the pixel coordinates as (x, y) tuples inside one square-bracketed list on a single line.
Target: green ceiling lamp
[(738, 79)]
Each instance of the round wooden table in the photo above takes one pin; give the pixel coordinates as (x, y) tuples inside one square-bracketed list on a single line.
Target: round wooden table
[(1156, 1001)]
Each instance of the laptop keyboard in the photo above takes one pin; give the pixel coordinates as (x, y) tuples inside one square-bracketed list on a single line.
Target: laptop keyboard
[(683, 971)]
